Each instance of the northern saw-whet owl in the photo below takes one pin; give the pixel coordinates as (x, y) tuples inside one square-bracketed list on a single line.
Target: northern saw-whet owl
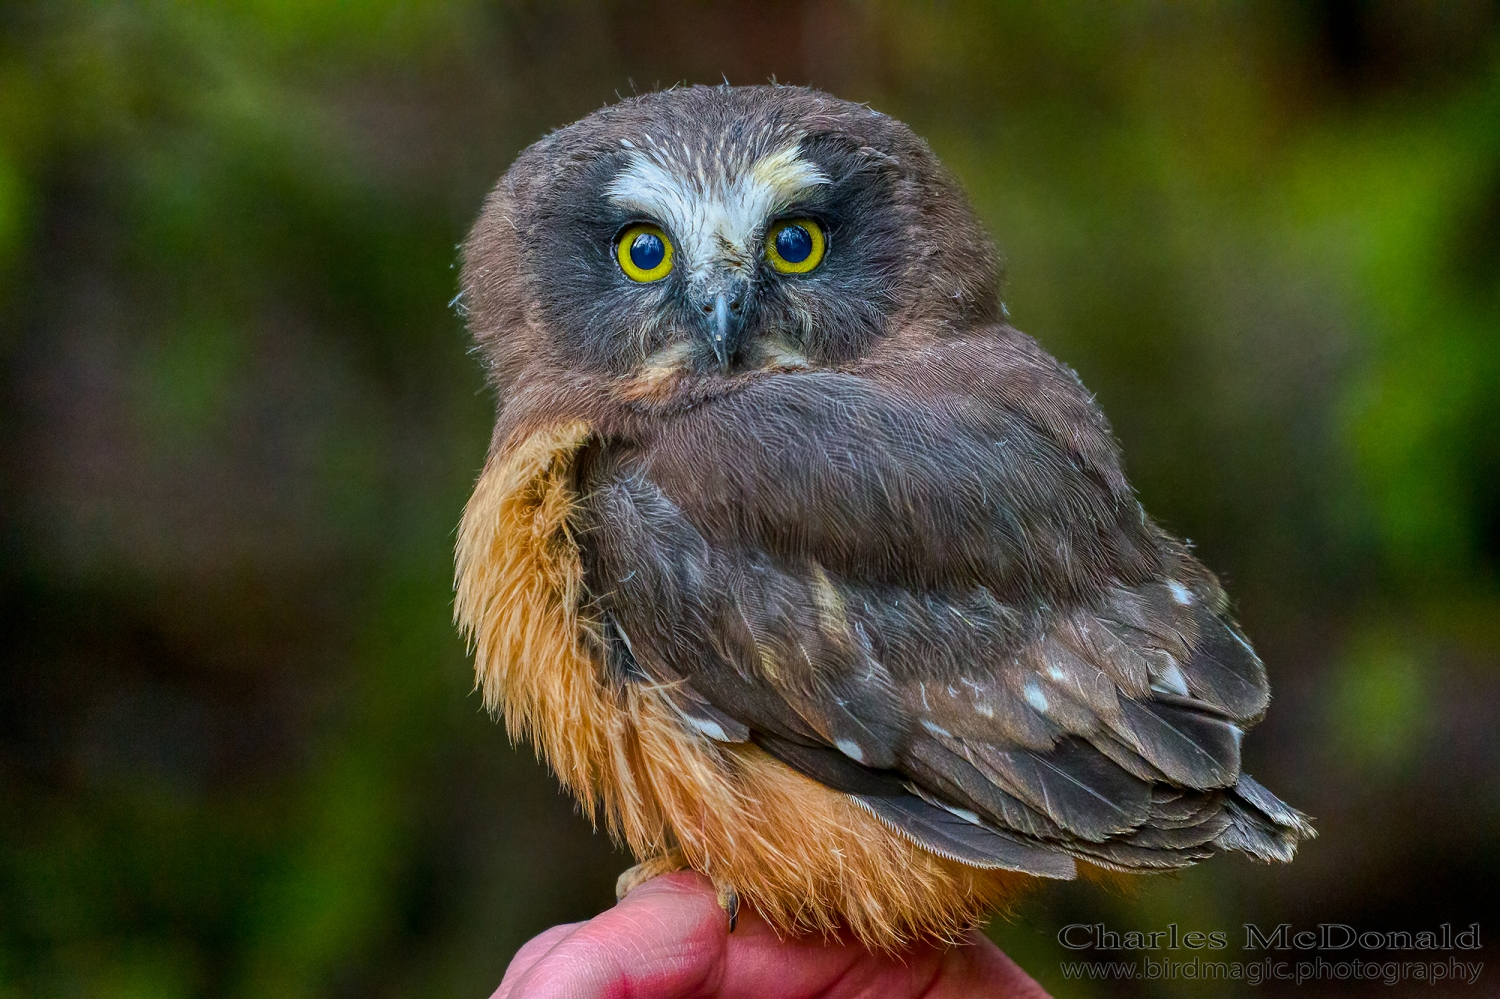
[(800, 566)]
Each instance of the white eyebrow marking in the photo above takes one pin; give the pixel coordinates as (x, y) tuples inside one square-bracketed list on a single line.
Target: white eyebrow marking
[(713, 220)]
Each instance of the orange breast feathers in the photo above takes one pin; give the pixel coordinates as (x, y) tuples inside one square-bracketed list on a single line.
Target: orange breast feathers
[(808, 858)]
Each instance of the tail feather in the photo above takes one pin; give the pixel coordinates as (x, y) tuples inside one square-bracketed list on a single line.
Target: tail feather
[(1261, 824)]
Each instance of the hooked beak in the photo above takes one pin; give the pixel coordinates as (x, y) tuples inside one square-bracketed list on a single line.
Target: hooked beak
[(724, 309), (721, 330)]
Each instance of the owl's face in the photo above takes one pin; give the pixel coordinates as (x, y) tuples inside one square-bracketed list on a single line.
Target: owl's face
[(720, 230)]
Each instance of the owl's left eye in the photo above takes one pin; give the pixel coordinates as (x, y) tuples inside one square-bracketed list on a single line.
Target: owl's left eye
[(644, 253), (795, 246)]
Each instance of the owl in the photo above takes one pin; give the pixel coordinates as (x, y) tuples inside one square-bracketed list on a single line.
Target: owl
[(799, 565)]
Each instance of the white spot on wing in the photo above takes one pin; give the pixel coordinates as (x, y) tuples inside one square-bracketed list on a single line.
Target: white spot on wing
[(962, 813), (1034, 696), (936, 729), (710, 728), (1180, 593), (1171, 681), (851, 749)]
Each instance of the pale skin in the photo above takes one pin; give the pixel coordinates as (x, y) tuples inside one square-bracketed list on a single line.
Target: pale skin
[(669, 939)]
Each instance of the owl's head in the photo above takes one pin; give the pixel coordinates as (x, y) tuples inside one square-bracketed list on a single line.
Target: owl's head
[(719, 230)]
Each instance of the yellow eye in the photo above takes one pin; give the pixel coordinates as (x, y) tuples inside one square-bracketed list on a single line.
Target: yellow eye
[(644, 253), (795, 246)]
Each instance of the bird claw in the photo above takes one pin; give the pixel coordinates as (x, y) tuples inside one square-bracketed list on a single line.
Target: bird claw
[(665, 863), (729, 901)]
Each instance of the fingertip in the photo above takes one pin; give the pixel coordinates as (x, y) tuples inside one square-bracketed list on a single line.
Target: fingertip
[(666, 939), (532, 951), (673, 918), (538, 945)]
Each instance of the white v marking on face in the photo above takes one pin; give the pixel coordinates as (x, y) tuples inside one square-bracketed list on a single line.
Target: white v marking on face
[(716, 220)]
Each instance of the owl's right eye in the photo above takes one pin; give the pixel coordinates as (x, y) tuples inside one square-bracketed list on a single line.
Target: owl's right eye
[(644, 253)]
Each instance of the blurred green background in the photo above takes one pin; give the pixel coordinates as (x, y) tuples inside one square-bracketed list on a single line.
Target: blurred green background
[(239, 751)]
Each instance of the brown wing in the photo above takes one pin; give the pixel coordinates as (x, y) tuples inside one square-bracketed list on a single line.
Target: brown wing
[(929, 586)]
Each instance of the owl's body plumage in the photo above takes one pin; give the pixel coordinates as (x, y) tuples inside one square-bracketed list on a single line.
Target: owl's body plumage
[(828, 578)]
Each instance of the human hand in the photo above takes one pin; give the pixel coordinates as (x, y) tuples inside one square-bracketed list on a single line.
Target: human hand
[(669, 939)]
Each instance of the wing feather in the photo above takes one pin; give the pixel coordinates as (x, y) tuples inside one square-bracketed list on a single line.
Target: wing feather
[(1073, 784), (943, 606), (949, 775), (1188, 745), (960, 838)]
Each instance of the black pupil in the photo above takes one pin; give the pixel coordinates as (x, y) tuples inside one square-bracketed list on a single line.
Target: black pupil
[(794, 243), (647, 251)]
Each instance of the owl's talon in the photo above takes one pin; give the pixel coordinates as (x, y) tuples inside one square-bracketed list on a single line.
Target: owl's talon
[(729, 901), (651, 867)]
